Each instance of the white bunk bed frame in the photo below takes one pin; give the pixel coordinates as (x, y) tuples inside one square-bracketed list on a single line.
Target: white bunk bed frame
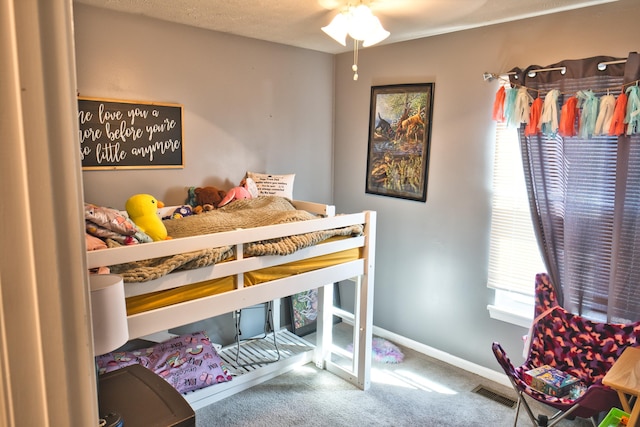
[(325, 354)]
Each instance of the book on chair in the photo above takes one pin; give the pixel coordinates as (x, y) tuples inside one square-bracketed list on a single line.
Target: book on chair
[(551, 381)]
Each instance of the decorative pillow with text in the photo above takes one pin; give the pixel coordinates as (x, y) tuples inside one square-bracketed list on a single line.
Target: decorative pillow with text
[(273, 185)]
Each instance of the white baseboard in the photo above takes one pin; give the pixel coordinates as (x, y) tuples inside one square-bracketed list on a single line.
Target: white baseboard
[(458, 362)]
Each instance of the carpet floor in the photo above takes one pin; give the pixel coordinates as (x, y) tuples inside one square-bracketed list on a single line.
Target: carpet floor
[(419, 391)]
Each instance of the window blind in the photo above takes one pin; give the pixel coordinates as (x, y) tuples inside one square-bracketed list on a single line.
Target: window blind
[(514, 257)]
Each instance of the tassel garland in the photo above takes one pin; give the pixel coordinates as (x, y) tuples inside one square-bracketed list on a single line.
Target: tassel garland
[(523, 106), (603, 122), (549, 116), (617, 121), (568, 116), (632, 118), (588, 102), (533, 127), (510, 107), (498, 105), (583, 114)]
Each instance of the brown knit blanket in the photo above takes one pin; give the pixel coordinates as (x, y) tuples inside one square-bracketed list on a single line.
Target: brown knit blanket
[(249, 213)]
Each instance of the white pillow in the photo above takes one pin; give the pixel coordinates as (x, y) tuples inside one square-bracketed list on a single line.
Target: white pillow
[(273, 185)]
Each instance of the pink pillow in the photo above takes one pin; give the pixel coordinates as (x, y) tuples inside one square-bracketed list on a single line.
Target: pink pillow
[(188, 362), (94, 243)]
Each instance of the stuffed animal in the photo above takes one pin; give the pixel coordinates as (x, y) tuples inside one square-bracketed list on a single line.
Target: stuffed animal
[(143, 211), (207, 198), (181, 212), (246, 190)]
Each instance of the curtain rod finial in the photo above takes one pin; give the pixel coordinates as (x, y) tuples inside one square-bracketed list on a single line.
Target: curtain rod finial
[(488, 77)]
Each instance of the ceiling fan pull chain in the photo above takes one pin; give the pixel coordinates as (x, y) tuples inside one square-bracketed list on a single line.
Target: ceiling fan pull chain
[(354, 67)]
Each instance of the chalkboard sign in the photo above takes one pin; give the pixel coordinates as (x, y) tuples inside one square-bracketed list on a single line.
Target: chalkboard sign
[(117, 134)]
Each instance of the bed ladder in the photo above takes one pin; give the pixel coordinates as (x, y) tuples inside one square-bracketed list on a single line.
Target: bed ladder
[(359, 373)]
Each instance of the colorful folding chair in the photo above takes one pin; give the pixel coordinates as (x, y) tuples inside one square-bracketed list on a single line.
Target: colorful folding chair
[(572, 344)]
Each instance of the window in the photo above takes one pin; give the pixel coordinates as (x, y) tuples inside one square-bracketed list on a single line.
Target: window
[(514, 257), (587, 193)]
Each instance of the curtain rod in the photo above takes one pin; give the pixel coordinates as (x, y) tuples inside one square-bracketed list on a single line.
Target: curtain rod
[(601, 66)]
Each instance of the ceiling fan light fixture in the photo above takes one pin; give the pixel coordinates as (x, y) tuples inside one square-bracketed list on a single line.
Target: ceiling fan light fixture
[(360, 22), (376, 34), (338, 29), (361, 25)]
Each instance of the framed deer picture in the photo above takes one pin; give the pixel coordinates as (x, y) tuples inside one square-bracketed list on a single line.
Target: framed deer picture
[(399, 140)]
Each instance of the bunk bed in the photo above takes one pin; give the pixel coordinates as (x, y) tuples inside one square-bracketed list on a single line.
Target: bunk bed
[(247, 279)]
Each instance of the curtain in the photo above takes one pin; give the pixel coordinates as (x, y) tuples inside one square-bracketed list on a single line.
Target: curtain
[(584, 185), (49, 379)]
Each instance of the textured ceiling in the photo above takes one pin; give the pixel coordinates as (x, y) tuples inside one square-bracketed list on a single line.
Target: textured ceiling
[(298, 22)]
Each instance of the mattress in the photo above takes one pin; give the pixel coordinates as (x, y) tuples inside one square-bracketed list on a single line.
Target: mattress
[(154, 300)]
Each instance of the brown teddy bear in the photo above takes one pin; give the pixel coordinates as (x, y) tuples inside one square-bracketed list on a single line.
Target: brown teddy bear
[(207, 198)]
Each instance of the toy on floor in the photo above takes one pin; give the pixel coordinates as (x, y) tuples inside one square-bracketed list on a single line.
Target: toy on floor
[(383, 351), (143, 211), (246, 190)]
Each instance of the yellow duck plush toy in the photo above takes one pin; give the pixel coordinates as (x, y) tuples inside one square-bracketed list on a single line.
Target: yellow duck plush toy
[(143, 211)]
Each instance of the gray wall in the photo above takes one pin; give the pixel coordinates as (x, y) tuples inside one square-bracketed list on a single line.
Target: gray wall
[(248, 105), (266, 107), (431, 258)]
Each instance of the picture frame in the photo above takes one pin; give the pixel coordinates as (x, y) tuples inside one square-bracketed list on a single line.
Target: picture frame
[(399, 140), (304, 310), (125, 134)]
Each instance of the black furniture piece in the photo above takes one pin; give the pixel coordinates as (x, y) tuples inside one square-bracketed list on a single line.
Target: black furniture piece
[(142, 399)]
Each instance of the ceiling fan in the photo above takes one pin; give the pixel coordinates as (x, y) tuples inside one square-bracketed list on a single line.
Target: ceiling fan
[(357, 20)]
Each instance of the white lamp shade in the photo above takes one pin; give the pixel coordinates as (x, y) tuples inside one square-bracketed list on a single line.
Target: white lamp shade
[(360, 23), (108, 313), (337, 29), (376, 34)]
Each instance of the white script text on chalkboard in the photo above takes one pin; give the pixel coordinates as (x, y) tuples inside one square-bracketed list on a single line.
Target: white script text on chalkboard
[(123, 134)]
